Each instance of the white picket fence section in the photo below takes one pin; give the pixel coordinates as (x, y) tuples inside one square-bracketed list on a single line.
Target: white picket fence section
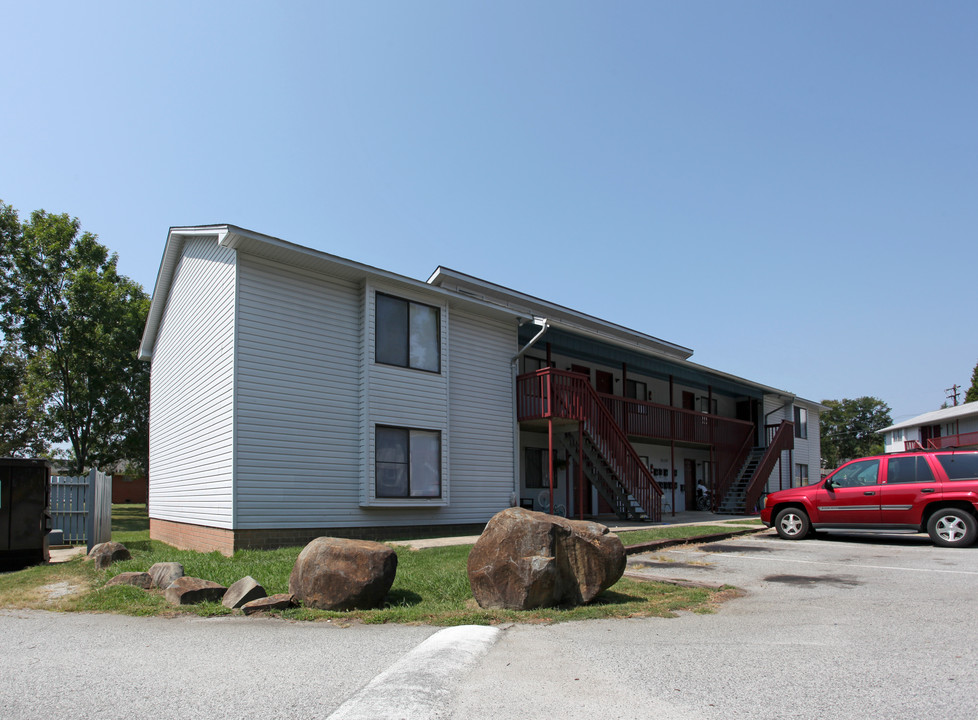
[(81, 507)]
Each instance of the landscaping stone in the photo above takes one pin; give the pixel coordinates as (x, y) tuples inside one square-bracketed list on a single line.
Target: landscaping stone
[(104, 554), (282, 601), (164, 573), (190, 591), (340, 574), (244, 590), (526, 559), (136, 579)]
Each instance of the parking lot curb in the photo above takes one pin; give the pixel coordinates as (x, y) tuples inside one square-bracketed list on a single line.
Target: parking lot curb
[(653, 545)]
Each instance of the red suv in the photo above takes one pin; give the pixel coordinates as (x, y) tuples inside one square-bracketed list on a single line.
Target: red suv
[(932, 491)]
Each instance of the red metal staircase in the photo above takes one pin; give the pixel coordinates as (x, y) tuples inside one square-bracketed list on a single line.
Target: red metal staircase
[(607, 458)]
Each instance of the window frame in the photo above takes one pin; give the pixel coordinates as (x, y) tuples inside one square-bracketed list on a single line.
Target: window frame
[(801, 422), (411, 432), (544, 468), (408, 330)]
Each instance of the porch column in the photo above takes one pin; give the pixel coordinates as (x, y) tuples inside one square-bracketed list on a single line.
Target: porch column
[(550, 459)]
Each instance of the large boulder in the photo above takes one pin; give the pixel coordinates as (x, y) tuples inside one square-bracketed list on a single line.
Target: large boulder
[(526, 559), (164, 573), (190, 591), (339, 574), (104, 554)]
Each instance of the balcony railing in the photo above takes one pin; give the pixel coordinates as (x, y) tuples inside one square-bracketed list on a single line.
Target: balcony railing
[(947, 441), (556, 394)]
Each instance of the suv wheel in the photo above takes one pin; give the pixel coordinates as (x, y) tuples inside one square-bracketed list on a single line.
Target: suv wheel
[(792, 524), (950, 527)]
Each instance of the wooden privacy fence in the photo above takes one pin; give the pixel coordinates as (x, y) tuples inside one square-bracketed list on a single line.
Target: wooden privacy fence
[(81, 507)]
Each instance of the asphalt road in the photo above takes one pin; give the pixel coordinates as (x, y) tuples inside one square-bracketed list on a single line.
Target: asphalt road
[(845, 627)]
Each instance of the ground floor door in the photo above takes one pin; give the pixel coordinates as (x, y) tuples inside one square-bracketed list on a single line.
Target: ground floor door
[(689, 483)]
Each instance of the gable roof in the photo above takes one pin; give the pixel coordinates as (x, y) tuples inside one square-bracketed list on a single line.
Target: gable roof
[(938, 416), (456, 286)]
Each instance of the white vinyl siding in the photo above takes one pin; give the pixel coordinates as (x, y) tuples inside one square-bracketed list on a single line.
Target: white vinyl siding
[(482, 408), (192, 391), (297, 442)]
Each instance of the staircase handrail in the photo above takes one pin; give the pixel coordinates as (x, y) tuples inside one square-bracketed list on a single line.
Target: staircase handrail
[(724, 483), (784, 439), (569, 395)]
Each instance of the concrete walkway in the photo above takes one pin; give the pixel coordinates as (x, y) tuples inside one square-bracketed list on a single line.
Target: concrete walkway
[(614, 524)]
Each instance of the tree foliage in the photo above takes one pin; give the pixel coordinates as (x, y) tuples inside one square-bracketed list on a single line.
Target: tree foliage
[(22, 424), (972, 394), (78, 323), (850, 428)]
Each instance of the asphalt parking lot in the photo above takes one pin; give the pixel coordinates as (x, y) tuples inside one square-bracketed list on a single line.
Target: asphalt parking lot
[(849, 626)]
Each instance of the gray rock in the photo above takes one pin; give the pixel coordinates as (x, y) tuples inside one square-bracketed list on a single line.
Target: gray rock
[(282, 601), (341, 574), (136, 579), (244, 590), (190, 591), (164, 573), (526, 559), (104, 554)]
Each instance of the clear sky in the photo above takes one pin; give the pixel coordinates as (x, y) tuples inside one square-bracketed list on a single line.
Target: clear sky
[(789, 188)]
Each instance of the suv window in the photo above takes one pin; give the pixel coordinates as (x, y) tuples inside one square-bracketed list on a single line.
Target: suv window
[(960, 466), (857, 474), (912, 469)]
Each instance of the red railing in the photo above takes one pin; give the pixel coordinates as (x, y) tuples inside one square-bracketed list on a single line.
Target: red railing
[(781, 438), (909, 445), (557, 394), (951, 441), (732, 439)]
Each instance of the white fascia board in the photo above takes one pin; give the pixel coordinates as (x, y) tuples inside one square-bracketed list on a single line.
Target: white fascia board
[(561, 315), (240, 239), (175, 239)]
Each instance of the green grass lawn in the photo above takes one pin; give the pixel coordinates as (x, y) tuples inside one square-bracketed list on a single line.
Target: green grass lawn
[(431, 586)]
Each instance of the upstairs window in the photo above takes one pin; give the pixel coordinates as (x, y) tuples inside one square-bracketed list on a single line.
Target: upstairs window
[(408, 334), (801, 422)]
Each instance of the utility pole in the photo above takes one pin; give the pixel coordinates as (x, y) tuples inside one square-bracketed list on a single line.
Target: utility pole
[(952, 392)]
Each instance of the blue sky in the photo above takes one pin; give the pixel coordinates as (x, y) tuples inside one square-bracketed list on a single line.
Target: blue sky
[(788, 188)]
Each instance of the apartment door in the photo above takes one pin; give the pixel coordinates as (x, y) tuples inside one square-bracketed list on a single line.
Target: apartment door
[(689, 483), (604, 382)]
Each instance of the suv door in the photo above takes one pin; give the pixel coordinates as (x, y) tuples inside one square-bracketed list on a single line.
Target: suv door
[(910, 484), (852, 497)]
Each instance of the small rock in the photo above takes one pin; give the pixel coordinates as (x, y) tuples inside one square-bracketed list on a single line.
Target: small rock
[(190, 591), (243, 591), (136, 579), (104, 554), (340, 574), (282, 601), (164, 573)]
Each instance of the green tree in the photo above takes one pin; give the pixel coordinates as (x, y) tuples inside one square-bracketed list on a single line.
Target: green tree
[(850, 428), (79, 323), (972, 394), (22, 425)]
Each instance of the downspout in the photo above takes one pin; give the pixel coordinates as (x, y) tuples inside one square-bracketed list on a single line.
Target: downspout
[(544, 326)]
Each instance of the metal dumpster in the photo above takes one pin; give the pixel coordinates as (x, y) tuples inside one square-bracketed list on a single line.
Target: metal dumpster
[(25, 519)]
